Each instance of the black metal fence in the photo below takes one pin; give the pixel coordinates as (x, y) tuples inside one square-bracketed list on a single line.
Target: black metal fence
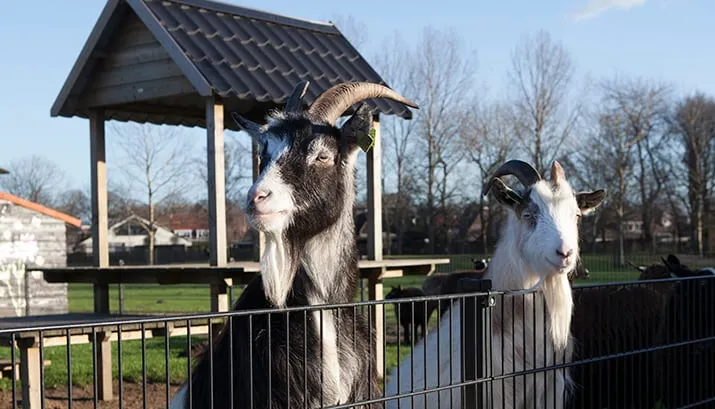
[(633, 345)]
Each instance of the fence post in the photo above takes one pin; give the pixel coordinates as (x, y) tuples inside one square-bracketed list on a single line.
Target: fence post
[(476, 341)]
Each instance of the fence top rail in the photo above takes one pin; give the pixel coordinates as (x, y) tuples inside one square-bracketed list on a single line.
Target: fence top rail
[(643, 282), (101, 320), (91, 320)]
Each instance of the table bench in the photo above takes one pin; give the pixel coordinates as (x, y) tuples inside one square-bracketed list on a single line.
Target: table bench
[(220, 279), (84, 329)]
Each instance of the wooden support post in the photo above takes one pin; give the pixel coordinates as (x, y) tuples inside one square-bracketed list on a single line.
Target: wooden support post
[(259, 245), (376, 293), (30, 374), (374, 196), (104, 365), (100, 242), (217, 197), (100, 224)]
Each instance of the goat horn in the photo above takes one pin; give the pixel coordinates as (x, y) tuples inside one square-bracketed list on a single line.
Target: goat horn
[(293, 103), (557, 173), (526, 173), (331, 104)]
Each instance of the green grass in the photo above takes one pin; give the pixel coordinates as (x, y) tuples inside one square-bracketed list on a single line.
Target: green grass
[(82, 370), (155, 299)]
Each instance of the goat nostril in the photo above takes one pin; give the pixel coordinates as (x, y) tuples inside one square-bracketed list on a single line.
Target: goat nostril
[(262, 195), (564, 254)]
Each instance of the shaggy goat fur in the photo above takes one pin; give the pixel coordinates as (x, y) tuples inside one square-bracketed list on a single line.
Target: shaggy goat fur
[(529, 330), (303, 202)]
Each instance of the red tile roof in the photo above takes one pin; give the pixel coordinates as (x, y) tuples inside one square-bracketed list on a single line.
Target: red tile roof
[(71, 220)]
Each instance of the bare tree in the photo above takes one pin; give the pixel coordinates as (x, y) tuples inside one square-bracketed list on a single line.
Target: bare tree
[(156, 160), (354, 30), (34, 178), (75, 202), (541, 77), (444, 78), (237, 169), (610, 152), (643, 106), (488, 141), (398, 136), (693, 121)]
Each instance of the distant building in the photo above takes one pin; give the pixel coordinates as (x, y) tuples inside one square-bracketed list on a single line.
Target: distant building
[(130, 233), (31, 236), (193, 224)]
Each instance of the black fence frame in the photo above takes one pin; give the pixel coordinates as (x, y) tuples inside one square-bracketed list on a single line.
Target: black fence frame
[(475, 295)]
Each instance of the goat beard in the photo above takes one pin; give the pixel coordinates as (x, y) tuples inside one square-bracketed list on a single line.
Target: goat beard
[(559, 302), (277, 272)]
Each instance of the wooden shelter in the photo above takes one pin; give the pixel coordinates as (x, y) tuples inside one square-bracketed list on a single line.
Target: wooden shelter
[(189, 62)]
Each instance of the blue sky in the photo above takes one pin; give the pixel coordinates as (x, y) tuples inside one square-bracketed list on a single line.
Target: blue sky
[(661, 39)]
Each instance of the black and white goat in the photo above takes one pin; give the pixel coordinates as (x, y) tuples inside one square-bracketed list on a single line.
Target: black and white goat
[(538, 247), (303, 202)]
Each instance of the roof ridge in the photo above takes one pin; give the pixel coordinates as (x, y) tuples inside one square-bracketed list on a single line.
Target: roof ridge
[(230, 8), (28, 204)]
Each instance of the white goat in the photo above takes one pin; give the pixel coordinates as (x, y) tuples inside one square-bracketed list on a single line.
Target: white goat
[(538, 247)]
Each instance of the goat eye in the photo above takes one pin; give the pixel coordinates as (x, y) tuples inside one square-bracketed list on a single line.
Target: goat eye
[(526, 215)]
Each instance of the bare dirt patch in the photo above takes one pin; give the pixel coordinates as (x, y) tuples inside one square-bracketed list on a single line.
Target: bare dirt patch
[(83, 397)]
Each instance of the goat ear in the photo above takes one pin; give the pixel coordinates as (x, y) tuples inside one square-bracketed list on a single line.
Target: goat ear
[(249, 126), (503, 193), (359, 123), (588, 201), (673, 260)]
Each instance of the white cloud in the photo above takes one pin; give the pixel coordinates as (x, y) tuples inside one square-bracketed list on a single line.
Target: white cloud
[(595, 7)]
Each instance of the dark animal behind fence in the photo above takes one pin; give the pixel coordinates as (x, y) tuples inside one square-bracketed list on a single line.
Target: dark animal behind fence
[(412, 315), (687, 372), (615, 320), (303, 202)]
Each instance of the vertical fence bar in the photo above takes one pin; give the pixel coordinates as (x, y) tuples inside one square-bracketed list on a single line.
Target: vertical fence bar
[(167, 368), (120, 375), (121, 298), (42, 369), (95, 387), (476, 335), (69, 368)]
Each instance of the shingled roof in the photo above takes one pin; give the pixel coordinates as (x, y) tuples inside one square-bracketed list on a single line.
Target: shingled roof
[(132, 61)]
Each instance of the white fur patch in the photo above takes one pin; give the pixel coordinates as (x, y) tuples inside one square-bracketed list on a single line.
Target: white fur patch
[(276, 271), (333, 391)]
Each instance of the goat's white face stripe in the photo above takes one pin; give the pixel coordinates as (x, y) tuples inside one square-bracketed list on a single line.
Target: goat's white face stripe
[(270, 180)]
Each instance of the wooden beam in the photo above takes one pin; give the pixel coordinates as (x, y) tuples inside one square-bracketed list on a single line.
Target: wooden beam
[(137, 91), (103, 349), (30, 376), (100, 233), (217, 197), (374, 196), (100, 224), (375, 292)]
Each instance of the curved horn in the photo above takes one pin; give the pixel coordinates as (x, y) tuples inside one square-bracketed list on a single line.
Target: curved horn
[(526, 173), (337, 99), (293, 103)]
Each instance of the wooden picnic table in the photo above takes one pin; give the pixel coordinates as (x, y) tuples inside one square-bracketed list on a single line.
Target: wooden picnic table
[(220, 279), (80, 328)]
